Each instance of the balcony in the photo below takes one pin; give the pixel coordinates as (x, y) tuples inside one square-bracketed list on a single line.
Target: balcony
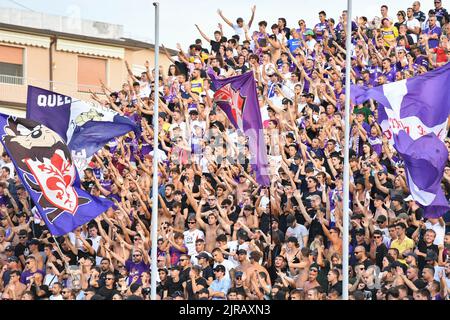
[(13, 90)]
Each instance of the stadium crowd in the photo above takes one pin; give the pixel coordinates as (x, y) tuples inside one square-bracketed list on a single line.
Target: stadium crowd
[(221, 235)]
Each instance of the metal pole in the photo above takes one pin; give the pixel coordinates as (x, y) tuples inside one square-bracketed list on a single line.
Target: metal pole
[(346, 197), (154, 230)]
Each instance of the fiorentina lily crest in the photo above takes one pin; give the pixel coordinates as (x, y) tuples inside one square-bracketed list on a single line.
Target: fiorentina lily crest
[(235, 100)]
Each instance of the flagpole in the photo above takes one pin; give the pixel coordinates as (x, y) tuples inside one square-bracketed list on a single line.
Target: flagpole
[(345, 216), (154, 231)]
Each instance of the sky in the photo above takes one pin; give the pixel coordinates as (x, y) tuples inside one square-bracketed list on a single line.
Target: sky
[(178, 17)]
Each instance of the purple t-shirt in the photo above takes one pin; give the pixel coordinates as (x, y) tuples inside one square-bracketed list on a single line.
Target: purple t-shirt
[(135, 269), (25, 277)]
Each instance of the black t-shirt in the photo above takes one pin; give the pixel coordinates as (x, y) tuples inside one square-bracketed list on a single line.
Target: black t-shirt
[(87, 185), (173, 287), (337, 287), (380, 253), (208, 273), (20, 249), (422, 246), (388, 184), (215, 46), (184, 275), (43, 287), (200, 282), (107, 293)]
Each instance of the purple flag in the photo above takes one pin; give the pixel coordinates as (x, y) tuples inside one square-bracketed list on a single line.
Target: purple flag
[(85, 127), (45, 167), (413, 115), (237, 97), (424, 170)]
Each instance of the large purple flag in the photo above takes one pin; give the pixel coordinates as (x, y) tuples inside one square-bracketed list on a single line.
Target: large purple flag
[(238, 98), (45, 167), (413, 114), (424, 170), (85, 127)]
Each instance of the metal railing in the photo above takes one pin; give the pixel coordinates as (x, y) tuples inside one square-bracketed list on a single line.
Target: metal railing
[(14, 89)]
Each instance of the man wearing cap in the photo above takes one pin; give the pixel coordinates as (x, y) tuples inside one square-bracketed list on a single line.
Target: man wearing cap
[(414, 208), (296, 230), (219, 259), (310, 41), (243, 262), (174, 283), (195, 283), (219, 287), (397, 204), (203, 259), (12, 264)]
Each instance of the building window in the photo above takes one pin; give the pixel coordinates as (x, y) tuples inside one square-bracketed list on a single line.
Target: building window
[(90, 72), (11, 65)]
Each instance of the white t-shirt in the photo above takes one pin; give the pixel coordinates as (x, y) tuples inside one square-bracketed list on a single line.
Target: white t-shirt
[(299, 232), (228, 266), (161, 155), (58, 297), (310, 44), (189, 239), (440, 232), (96, 245), (239, 31), (412, 24)]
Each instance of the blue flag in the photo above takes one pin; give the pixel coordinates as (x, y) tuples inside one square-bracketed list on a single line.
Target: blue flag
[(85, 127), (413, 115), (45, 167)]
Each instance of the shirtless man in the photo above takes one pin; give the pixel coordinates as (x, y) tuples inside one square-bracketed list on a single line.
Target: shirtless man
[(312, 279), (212, 228), (15, 288)]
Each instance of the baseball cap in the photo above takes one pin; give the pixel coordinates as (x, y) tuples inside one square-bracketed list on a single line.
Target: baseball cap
[(290, 135), (197, 60), (9, 248), (162, 115), (13, 259), (402, 216), (308, 33), (34, 241), (381, 219), (239, 274), (408, 198), (203, 255), (397, 198), (241, 251), (412, 254), (219, 267), (175, 268)]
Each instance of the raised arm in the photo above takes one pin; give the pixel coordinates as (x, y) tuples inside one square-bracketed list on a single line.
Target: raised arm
[(204, 36), (228, 22)]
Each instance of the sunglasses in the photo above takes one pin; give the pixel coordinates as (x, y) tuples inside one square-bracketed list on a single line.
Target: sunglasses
[(109, 278), (377, 237), (191, 222), (137, 255)]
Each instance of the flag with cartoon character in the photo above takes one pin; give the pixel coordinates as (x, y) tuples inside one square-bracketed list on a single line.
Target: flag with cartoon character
[(46, 168), (85, 126)]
